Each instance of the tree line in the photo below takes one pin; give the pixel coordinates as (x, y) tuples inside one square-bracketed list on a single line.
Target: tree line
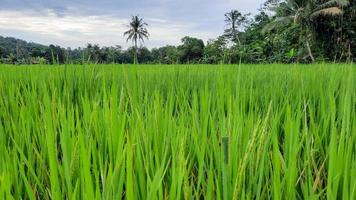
[(283, 31)]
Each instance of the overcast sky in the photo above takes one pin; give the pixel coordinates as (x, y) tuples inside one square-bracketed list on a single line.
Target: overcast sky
[(73, 23)]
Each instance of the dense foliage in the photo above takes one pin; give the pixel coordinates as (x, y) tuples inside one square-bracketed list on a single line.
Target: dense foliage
[(283, 31), (178, 132)]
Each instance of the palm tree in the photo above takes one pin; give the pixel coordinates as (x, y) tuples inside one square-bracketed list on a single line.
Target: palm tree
[(137, 32), (234, 20), (304, 13)]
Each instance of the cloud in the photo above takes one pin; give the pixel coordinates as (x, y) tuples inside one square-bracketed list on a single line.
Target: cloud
[(75, 23), (76, 31)]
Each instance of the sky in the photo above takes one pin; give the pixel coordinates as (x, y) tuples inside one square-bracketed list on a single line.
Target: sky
[(74, 23)]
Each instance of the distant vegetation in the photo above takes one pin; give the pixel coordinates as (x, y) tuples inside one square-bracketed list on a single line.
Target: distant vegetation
[(283, 31)]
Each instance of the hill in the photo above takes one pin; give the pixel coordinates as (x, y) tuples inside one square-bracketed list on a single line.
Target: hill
[(10, 45)]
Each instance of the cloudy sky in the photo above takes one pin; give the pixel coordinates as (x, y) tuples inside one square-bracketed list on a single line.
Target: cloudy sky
[(73, 23)]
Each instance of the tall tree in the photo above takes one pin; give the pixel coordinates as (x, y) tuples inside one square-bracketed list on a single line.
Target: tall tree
[(215, 51), (192, 50), (94, 53), (137, 32), (234, 21), (303, 14)]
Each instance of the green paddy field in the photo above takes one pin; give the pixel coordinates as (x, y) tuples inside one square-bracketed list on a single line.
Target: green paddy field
[(178, 132)]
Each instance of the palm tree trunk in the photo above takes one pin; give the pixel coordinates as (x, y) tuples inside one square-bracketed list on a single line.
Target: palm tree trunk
[(136, 52), (236, 37), (309, 51), (238, 40)]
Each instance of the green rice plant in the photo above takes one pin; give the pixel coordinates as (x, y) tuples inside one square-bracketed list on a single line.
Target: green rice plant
[(178, 132)]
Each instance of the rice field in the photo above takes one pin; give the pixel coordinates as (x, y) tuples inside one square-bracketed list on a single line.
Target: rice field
[(178, 132)]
